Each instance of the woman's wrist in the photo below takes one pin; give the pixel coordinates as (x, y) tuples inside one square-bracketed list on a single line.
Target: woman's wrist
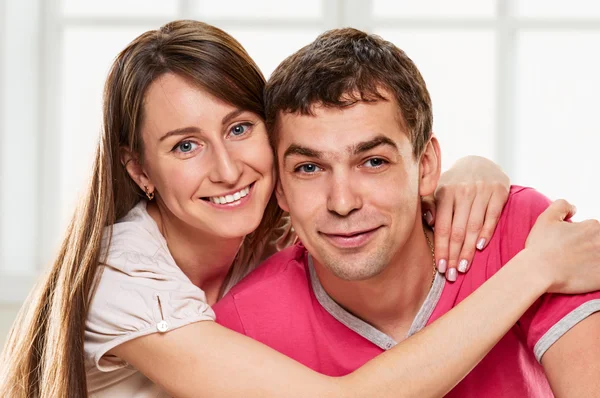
[(532, 270)]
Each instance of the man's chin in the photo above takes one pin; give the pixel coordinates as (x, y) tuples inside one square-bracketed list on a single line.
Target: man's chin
[(354, 267), (355, 275)]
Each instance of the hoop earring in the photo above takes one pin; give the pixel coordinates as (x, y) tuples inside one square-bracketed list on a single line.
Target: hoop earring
[(149, 194)]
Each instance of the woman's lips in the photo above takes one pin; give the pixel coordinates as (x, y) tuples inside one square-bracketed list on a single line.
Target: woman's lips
[(235, 204)]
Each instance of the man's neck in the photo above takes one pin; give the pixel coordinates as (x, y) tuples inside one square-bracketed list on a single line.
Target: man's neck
[(391, 300)]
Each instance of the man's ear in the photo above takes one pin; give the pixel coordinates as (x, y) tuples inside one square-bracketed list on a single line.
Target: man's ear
[(281, 197), (129, 160), (430, 167)]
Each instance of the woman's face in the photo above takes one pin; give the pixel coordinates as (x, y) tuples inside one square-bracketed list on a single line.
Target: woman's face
[(210, 163)]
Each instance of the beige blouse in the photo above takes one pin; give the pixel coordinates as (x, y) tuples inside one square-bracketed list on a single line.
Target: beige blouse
[(140, 291)]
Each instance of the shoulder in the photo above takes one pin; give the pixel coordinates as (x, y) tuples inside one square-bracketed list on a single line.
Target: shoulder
[(273, 280), (135, 244), (523, 207), (525, 202), (520, 213), (136, 254), (284, 264), (136, 231), (138, 285)]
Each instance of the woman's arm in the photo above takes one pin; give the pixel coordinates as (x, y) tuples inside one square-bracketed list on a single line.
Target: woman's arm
[(205, 359)]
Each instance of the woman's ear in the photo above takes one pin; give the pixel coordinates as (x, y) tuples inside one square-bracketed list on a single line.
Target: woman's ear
[(430, 167), (130, 161)]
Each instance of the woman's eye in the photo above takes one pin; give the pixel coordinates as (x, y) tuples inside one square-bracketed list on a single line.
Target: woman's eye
[(185, 146), (239, 129), (308, 168), (375, 162)]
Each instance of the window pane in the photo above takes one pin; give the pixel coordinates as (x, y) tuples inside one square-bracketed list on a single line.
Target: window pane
[(118, 8), (557, 138), (460, 71), (84, 70), (240, 9), (434, 8), (269, 47), (558, 8)]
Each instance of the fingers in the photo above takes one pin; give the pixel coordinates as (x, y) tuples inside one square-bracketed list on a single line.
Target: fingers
[(458, 231), (559, 210), (492, 215), (473, 230), (443, 223)]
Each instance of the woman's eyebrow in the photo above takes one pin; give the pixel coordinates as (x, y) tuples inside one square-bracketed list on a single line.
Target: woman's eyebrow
[(191, 129), (231, 115), (181, 131)]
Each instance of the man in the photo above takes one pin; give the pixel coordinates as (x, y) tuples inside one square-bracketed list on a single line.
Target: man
[(350, 118)]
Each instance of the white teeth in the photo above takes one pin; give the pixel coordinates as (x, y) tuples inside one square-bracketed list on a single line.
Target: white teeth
[(220, 200)]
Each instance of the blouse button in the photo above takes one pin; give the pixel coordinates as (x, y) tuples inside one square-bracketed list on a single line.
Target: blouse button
[(162, 326)]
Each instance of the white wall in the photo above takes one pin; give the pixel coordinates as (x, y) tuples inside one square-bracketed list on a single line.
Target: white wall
[(512, 80)]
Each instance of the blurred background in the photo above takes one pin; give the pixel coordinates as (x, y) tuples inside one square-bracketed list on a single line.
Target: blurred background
[(516, 81)]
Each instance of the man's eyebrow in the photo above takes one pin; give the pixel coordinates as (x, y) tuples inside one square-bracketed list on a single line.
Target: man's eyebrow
[(295, 149), (181, 131), (375, 142)]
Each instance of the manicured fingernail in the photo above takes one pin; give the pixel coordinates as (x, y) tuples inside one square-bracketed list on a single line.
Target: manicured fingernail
[(481, 243), (442, 264), (451, 274), (462, 266), (428, 217)]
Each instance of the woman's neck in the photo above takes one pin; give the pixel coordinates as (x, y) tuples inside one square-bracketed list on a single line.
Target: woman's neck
[(204, 259)]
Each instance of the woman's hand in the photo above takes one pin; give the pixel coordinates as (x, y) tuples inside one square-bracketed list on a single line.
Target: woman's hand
[(468, 202), (567, 252)]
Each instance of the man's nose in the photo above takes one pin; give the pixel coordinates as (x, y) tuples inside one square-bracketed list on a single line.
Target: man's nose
[(343, 197)]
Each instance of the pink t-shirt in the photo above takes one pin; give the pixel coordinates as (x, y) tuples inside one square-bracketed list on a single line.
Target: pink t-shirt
[(283, 305)]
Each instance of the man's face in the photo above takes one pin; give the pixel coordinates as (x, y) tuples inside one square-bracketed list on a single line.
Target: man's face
[(350, 182)]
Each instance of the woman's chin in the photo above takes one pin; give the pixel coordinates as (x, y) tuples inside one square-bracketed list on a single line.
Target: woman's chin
[(238, 230)]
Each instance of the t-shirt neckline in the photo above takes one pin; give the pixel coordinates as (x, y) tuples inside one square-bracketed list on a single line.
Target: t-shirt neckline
[(369, 332)]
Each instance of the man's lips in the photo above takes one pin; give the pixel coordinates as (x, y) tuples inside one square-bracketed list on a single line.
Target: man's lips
[(353, 239)]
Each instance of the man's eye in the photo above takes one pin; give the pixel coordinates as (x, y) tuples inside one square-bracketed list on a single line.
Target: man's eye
[(308, 168), (375, 162)]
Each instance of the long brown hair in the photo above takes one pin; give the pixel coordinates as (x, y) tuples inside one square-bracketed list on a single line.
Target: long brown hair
[(44, 354)]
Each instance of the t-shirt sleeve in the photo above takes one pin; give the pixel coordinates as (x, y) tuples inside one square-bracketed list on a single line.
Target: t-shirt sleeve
[(227, 314), (551, 316), (137, 295)]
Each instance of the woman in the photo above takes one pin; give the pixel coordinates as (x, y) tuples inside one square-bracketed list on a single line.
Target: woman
[(123, 260)]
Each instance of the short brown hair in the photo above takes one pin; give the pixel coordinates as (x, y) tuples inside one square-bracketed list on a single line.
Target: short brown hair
[(343, 66)]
